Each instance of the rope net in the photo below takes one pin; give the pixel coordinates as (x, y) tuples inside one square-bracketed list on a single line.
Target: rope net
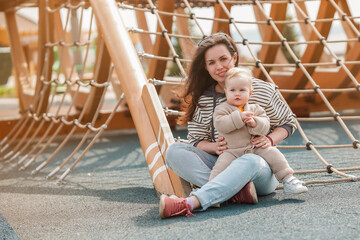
[(269, 62), (292, 44), (71, 93)]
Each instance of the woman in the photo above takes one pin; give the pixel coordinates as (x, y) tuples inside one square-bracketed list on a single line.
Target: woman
[(193, 162)]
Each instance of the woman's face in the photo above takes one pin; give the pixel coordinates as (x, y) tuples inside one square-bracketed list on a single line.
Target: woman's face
[(218, 61)]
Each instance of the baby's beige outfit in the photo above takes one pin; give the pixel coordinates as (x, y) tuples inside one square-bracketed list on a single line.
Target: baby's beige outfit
[(237, 134)]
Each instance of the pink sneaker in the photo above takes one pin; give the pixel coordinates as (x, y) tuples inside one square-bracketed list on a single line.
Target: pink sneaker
[(246, 195), (170, 207)]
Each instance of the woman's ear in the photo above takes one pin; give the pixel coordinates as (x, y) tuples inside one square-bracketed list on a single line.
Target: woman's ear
[(235, 57)]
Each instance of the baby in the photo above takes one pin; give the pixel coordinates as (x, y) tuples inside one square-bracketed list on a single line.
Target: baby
[(238, 121)]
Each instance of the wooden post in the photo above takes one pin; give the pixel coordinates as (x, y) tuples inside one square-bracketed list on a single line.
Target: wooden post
[(164, 138), (348, 31), (267, 53), (343, 80), (22, 79), (161, 47), (64, 54), (133, 80), (187, 45), (41, 45), (46, 23), (313, 52), (144, 38), (220, 13), (101, 75), (75, 36), (306, 30)]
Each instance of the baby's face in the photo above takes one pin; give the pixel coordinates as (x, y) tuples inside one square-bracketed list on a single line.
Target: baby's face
[(238, 91)]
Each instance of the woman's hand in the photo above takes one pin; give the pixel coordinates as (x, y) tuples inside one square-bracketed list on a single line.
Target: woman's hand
[(261, 142), (220, 145), (213, 147)]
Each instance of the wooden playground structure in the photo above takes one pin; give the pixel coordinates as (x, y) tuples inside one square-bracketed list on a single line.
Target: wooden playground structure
[(86, 47)]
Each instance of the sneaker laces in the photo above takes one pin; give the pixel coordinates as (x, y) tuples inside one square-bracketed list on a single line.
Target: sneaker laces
[(182, 208)]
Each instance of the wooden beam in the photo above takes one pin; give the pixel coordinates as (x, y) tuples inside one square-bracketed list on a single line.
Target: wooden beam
[(310, 102), (64, 54), (6, 5), (75, 35), (101, 76), (133, 80), (4, 40), (165, 137), (121, 120), (67, 61), (347, 29), (22, 79), (306, 30), (144, 38), (343, 80), (187, 45), (313, 52), (42, 32), (46, 71), (267, 53), (220, 13), (161, 47)]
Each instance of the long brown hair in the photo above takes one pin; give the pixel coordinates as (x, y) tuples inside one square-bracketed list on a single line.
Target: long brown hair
[(199, 78)]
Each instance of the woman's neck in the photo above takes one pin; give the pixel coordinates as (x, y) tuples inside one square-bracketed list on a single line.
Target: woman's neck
[(219, 88)]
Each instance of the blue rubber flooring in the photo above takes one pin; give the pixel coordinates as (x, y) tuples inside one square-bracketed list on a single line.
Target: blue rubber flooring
[(6, 231), (110, 195)]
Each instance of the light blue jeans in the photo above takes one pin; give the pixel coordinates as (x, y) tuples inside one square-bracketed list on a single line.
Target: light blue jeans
[(194, 165)]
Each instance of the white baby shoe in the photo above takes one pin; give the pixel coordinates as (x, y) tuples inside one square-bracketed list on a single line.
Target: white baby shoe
[(292, 185)]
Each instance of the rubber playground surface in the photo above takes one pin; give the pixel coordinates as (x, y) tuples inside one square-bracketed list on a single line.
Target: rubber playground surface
[(109, 195)]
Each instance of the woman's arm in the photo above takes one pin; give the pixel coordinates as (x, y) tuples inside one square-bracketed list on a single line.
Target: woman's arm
[(199, 128), (276, 109), (281, 118), (278, 135), (275, 137), (213, 147)]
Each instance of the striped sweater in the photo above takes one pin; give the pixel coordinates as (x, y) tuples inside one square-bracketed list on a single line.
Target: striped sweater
[(201, 126)]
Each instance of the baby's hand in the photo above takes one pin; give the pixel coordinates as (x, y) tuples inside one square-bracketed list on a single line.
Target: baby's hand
[(251, 122), (245, 115)]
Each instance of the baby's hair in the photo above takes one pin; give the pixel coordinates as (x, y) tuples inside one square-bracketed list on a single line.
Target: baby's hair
[(241, 73)]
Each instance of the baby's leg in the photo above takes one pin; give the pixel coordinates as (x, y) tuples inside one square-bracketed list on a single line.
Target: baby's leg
[(222, 162), (282, 170), (277, 161)]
